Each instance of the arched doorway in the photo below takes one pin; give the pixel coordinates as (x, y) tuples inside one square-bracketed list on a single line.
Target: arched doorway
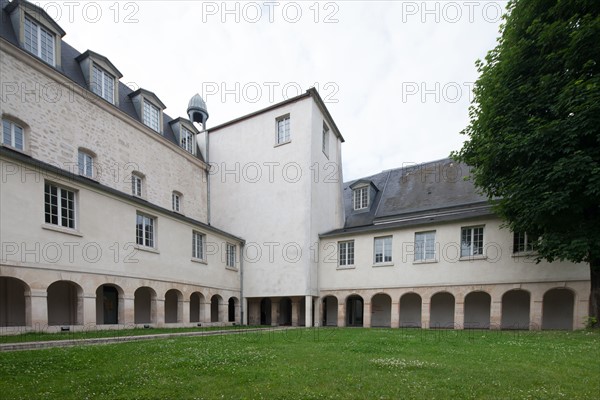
[(477, 310), (515, 309), (330, 311), (13, 305), (65, 303), (381, 310), (109, 305), (196, 307), (557, 312), (144, 305), (173, 306), (354, 311), (232, 308), (410, 310), (215, 307), (265, 311), (442, 311)]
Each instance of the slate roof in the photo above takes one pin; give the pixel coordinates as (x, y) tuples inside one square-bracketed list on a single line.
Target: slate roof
[(71, 69), (415, 195)]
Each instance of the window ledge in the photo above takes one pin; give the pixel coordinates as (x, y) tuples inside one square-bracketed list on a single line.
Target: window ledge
[(198, 260), (425, 261), (231, 268), (146, 248), (524, 254), (342, 267), (282, 143), (68, 231), (22, 151), (472, 258), (384, 264)]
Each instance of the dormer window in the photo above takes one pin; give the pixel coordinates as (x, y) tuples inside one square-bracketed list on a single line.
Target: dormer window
[(39, 41), (137, 184), (85, 162), (187, 140), (103, 84), (13, 135), (361, 198), (151, 115)]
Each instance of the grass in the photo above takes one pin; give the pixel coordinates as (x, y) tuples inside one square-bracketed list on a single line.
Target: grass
[(316, 364), (108, 333)]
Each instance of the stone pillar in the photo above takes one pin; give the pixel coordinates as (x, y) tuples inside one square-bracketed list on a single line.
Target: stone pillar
[(341, 320), (295, 311), (274, 312), (128, 310), (37, 317), (184, 308), (308, 319), (160, 312), (205, 314), (496, 313), (223, 311), (459, 314), (245, 312), (366, 314), (88, 312), (425, 316), (318, 312), (395, 321), (581, 311), (535, 313)]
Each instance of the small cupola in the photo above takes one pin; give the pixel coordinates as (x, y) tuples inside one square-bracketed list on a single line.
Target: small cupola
[(197, 111)]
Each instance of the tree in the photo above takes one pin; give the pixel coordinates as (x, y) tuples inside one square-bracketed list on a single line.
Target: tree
[(534, 131)]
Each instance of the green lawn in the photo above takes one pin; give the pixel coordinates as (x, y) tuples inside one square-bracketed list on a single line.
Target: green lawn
[(314, 364)]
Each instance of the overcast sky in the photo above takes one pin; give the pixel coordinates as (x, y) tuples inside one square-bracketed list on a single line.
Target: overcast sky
[(395, 75)]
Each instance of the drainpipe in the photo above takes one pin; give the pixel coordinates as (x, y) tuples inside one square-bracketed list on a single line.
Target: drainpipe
[(207, 177), (242, 283)]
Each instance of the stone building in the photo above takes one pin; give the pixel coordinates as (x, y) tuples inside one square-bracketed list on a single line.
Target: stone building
[(114, 213)]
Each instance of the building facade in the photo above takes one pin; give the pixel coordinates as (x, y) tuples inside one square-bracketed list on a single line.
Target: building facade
[(114, 213)]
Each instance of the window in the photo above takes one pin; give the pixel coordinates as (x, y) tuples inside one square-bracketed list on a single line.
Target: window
[(283, 129), (230, 262), (103, 84), (176, 201), (471, 241), (59, 206), (151, 116), (346, 253), (136, 185), (325, 140), (361, 198), (522, 242), (86, 164), (383, 249), (424, 246), (187, 140), (144, 230), (39, 41), (12, 135), (198, 243)]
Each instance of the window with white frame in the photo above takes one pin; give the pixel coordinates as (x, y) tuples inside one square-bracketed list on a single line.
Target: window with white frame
[(136, 185), (522, 242), (103, 84), (59, 206), (86, 163), (151, 116), (39, 41), (425, 246), (230, 255), (187, 140), (198, 245), (325, 140), (361, 198), (283, 129), (145, 230), (12, 135), (346, 253), (383, 250), (471, 241), (176, 201)]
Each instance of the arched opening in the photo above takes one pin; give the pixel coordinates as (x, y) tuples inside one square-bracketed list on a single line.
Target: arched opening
[(196, 306), (330, 311), (144, 305), (13, 304), (477, 310), (65, 303), (173, 306), (381, 310), (285, 311), (265, 311), (410, 310), (354, 311), (232, 309), (557, 309), (109, 304), (442, 311), (515, 309), (215, 308)]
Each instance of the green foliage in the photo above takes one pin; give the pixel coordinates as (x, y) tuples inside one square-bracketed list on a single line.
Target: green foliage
[(591, 322), (534, 131)]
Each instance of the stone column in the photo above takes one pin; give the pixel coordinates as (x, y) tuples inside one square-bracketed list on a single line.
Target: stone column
[(295, 311), (37, 317), (185, 311), (535, 313), (274, 312), (395, 321), (341, 320), (88, 315), (205, 314), (318, 310), (246, 312), (160, 312), (366, 314), (425, 314), (128, 310), (459, 314), (496, 313), (308, 319), (223, 311)]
